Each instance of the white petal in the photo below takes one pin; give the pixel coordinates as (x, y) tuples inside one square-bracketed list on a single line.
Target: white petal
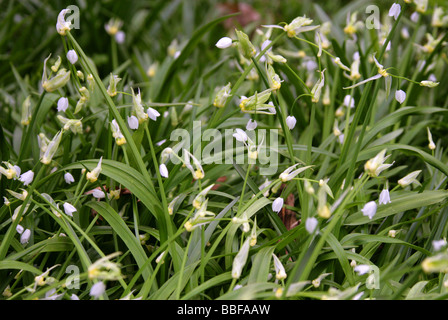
[(62, 104), (277, 204), (291, 122), (133, 122), (240, 135), (395, 10), (99, 194), (120, 36), (400, 96), (25, 237), (69, 209), (251, 125), (163, 170), (311, 224), (384, 197), (224, 43), (68, 178), (27, 177), (152, 113), (362, 269), (72, 56), (19, 229), (97, 289), (349, 101), (369, 209)]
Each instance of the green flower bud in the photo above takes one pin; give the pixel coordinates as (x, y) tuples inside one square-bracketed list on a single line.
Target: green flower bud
[(246, 48)]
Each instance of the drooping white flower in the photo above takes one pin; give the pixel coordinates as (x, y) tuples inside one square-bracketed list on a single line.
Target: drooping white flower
[(163, 170), (369, 209), (20, 229), (133, 122), (62, 104), (438, 244), (349, 101), (11, 171), (27, 177), (98, 289), (415, 16), (362, 269), (98, 194), (410, 178), (25, 237), (72, 56), (69, 209), (120, 37), (224, 43), (240, 135), (431, 144), (311, 224), (384, 197), (93, 175), (68, 178), (291, 122), (395, 10), (152, 113), (277, 204), (251, 125), (400, 96)]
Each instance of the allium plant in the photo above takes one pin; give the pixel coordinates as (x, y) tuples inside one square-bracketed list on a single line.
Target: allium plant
[(108, 166)]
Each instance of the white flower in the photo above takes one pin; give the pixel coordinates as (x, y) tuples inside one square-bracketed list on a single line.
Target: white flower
[(438, 244), (19, 229), (289, 174), (27, 177), (74, 297), (311, 224), (62, 104), (362, 269), (431, 144), (349, 101), (277, 204), (240, 259), (25, 237), (410, 178), (279, 269), (98, 289), (98, 194), (251, 125), (369, 209), (400, 96), (224, 43), (240, 135), (375, 165), (414, 17), (62, 26), (291, 122), (51, 148), (163, 170), (68, 178), (72, 56), (384, 197), (120, 36), (152, 113), (197, 172), (429, 84), (200, 198), (92, 176), (12, 172), (133, 122), (395, 10), (69, 209)]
